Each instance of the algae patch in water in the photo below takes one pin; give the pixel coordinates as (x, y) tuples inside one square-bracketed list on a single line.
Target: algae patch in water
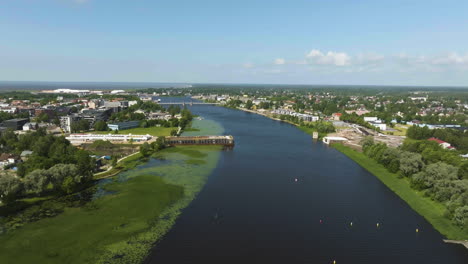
[(139, 207)]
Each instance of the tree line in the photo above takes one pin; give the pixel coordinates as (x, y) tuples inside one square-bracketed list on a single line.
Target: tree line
[(457, 138), (440, 174)]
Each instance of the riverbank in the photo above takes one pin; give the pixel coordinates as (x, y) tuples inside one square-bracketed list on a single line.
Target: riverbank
[(432, 211), (307, 130)]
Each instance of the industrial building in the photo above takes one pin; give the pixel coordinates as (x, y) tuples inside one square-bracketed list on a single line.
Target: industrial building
[(124, 125), (15, 124)]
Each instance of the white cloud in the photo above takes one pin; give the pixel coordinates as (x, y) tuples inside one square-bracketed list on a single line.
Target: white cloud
[(330, 58), (410, 60), (273, 71), (80, 1), (368, 58), (451, 58), (279, 61)]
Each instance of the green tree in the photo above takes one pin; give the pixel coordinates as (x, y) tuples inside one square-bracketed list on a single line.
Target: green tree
[(145, 149), (100, 126), (249, 104), (367, 142), (37, 181), (460, 216), (159, 144), (85, 164), (43, 117), (10, 188), (60, 172), (433, 173), (114, 161), (410, 163)]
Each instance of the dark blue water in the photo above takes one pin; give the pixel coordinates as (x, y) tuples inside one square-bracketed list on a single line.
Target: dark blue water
[(262, 215)]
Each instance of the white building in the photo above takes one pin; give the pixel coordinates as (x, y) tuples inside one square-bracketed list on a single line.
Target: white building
[(380, 125), (10, 110), (329, 140), (370, 118), (419, 98), (66, 122), (117, 91), (30, 126), (305, 117), (85, 138)]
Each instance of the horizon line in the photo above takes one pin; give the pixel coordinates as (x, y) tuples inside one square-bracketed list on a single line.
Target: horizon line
[(233, 83)]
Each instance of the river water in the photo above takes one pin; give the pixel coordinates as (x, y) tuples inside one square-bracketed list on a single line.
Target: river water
[(279, 197)]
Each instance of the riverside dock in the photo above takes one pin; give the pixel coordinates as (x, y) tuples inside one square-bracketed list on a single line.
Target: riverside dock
[(201, 140)]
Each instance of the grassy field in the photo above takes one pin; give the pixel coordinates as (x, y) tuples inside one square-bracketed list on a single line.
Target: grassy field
[(399, 131), (139, 207), (310, 131), (154, 131), (429, 209)]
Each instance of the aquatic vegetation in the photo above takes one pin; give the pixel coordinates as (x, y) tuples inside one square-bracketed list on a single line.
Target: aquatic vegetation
[(195, 161), (132, 212)]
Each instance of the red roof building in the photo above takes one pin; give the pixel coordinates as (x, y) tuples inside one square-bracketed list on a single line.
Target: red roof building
[(442, 143)]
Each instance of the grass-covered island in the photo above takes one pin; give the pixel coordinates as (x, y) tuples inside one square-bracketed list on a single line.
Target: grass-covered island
[(435, 212)]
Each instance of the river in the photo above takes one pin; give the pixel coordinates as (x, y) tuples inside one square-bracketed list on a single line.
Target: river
[(279, 197)]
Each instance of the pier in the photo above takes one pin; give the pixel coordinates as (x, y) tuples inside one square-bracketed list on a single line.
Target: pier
[(201, 140)]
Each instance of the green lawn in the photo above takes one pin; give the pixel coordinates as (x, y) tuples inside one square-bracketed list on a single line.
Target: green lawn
[(154, 131), (429, 209)]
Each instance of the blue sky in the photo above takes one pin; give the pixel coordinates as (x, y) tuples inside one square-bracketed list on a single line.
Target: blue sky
[(395, 42)]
